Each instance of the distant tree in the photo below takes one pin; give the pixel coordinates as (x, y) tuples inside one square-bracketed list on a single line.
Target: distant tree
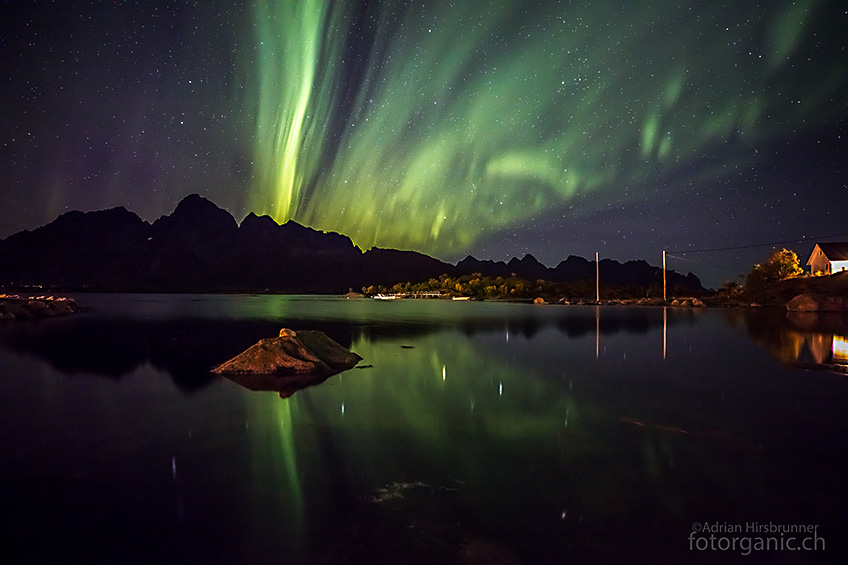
[(730, 288), (782, 264), (785, 264)]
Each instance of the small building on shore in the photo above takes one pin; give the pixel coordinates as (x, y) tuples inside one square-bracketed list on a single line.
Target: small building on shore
[(828, 258)]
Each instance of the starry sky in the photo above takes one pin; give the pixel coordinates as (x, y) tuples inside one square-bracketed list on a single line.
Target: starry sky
[(452, 128)]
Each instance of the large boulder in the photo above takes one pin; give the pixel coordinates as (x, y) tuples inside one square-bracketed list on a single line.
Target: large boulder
[(817, 303), (292, 354), (62, 307), (39, 308)]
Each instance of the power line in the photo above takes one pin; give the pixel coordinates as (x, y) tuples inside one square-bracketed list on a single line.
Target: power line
[(760, 244), (724, 267), (668, 253)]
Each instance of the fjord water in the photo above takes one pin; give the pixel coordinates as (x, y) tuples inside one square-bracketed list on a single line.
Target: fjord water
[(520, 432)]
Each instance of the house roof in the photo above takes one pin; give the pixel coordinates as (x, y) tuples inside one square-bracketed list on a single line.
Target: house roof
[(837, 251)]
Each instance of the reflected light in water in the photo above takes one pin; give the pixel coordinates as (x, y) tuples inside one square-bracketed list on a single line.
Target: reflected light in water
[(287, 450), (840, 348), (597, 332), (275, 454)]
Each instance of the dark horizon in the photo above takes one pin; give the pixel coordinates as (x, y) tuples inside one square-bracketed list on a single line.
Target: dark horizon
[(500, 262), (201, 248)]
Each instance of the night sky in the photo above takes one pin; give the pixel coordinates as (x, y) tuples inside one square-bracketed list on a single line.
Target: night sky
[(451, 128)]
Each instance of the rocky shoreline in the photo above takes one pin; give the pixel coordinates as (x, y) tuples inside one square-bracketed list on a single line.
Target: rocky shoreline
[(20, 307)]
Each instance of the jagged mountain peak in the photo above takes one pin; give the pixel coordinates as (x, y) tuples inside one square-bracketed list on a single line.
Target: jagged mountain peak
[(254, 222), (198, 214)]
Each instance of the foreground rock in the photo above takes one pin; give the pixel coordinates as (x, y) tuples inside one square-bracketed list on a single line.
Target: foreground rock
[(305, 352), (817, 303), (18, 307), (288, 363)]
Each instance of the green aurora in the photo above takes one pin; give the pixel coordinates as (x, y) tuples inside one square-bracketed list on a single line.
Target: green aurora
[(427, 127)]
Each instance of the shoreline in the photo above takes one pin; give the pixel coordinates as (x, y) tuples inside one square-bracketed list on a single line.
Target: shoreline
[(24, 306)]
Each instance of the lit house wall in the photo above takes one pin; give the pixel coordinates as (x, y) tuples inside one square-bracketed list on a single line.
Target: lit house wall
[(836, 266)]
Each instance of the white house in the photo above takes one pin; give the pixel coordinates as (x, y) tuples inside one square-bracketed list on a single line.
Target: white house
[(829, 258)]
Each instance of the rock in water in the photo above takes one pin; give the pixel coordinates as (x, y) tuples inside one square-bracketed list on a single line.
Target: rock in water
[(803, 303), (817, 303), (334, 355), (293, 353)]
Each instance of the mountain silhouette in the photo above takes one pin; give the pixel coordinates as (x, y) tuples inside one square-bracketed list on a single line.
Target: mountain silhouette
[(200, 247)]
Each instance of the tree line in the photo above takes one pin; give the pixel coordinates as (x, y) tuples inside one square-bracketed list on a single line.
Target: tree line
[(478, 286)]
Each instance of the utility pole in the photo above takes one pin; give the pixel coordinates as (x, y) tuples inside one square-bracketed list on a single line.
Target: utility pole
[(664, 297), (597, 279)]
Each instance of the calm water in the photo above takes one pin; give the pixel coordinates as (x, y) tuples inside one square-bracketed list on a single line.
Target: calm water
[(493, 431)]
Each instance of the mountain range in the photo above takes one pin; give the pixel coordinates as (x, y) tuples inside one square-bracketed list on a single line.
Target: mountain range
[(201, 248)]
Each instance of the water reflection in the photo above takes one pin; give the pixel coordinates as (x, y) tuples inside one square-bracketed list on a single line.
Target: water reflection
[(552, 433), (554, 454), (840, 349), (186, 335), (813, 340), (285, 387)]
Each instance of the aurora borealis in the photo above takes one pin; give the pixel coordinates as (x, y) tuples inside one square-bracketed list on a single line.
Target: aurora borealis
[(492, 128)]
